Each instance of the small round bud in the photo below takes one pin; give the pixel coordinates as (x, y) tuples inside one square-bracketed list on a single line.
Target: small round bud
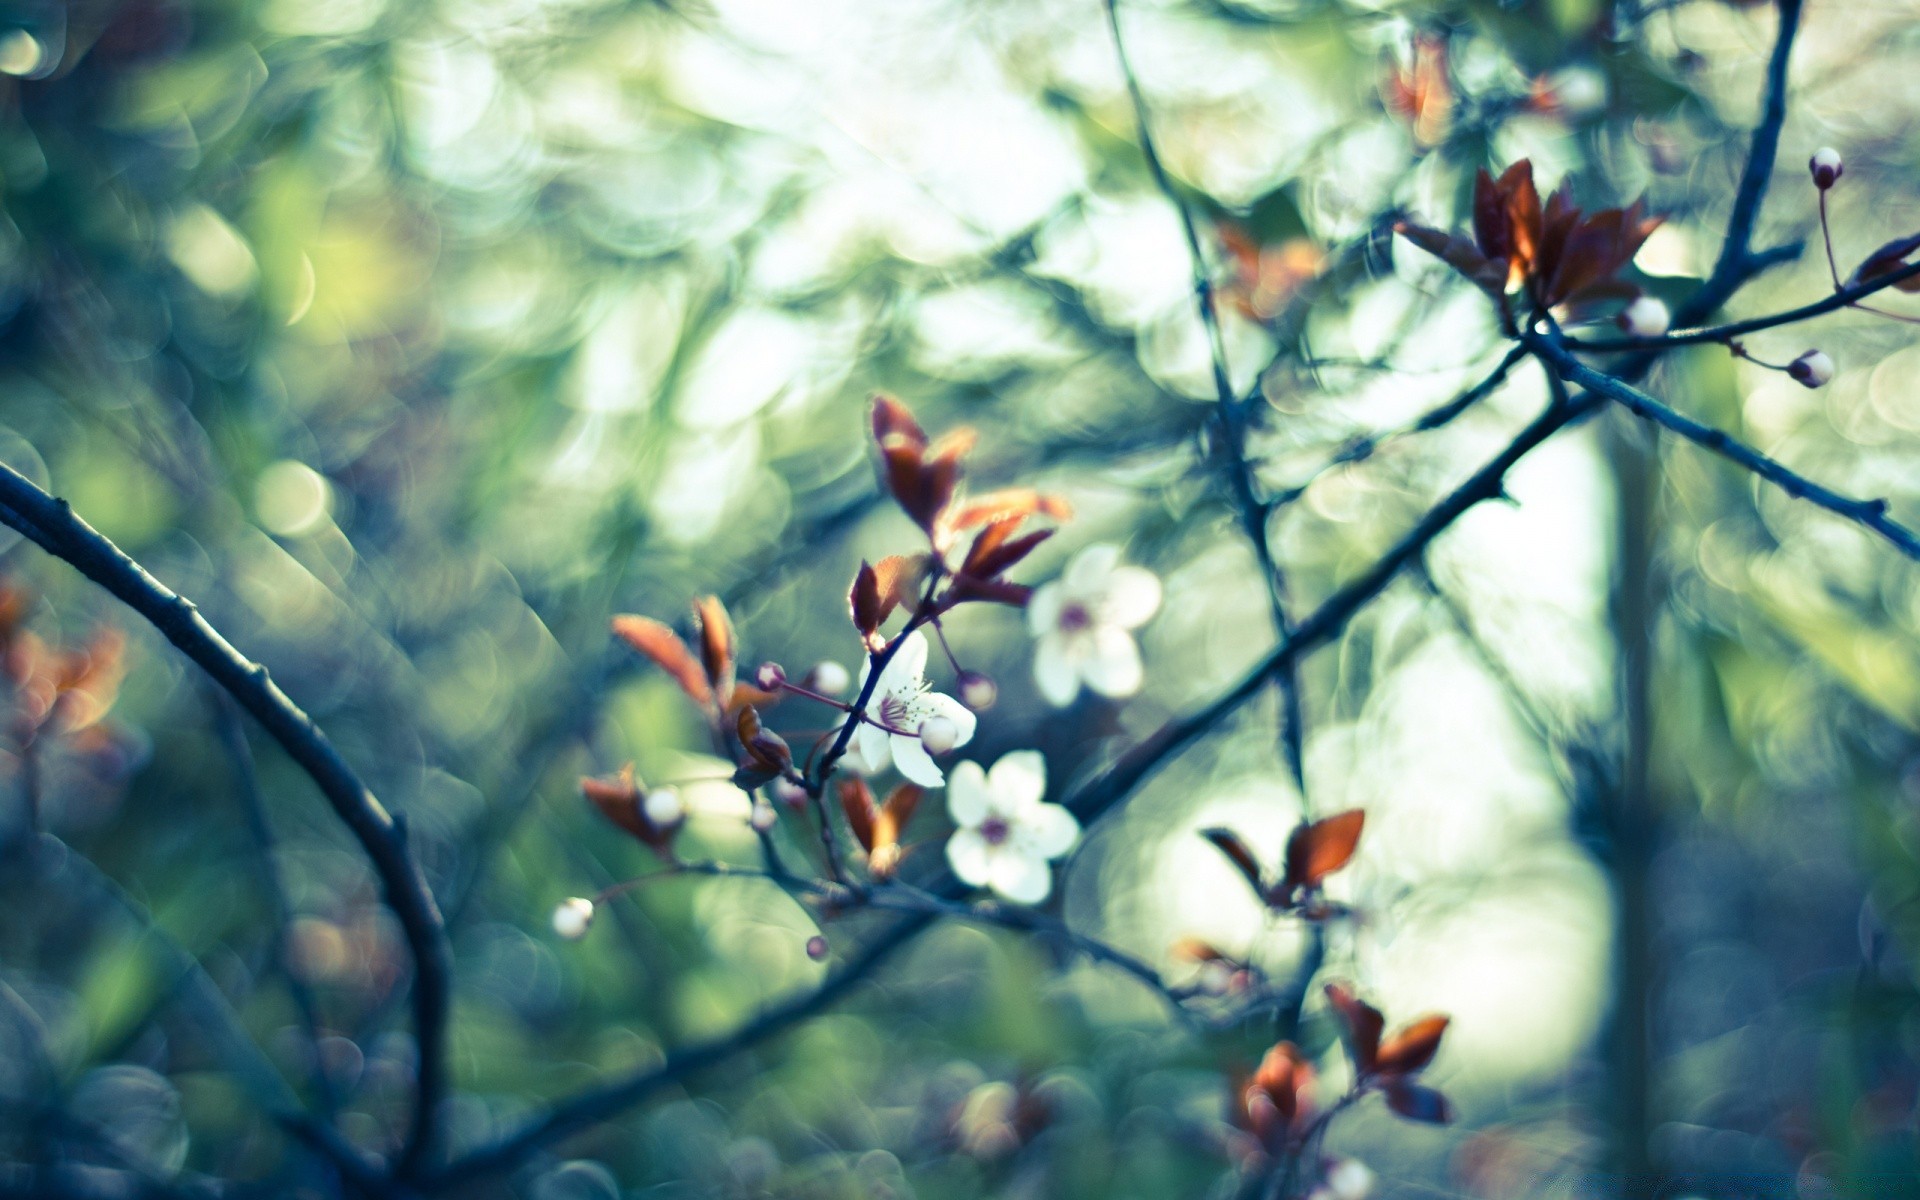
[(664, 808), (978, 691), (769, 677), (939, 735), (789, 793), (817, 947), (1825, 167), (572, 917), (763, 817), (1645, 317), (829, 678), (1812, 369)]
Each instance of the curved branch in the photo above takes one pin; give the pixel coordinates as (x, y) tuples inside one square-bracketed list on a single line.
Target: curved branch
[(52, 524)]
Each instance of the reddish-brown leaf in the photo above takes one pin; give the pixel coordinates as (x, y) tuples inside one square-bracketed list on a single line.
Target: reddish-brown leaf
[(1239, 854), (994, 550), (863, 600), (992, 591), (1417, 1102), (1411, 1048), (856, 801), (889, 823), (1200, 950), (898, 578), (1488, 274), (661, 644), (618, 800), (1888, 259), (1317, 850), (1363, 1024), (766, 750), (894, 424), (1011, 502), (716, 645)]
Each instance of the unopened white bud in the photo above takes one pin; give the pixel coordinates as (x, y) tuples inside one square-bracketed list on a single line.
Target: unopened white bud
[(664, 808), (572, 917), (789, 793), (978, 692), (1825, 167), (829, 678), (763, 817), (769, 677), (1812, 369), (1646, 317), (939, 735)]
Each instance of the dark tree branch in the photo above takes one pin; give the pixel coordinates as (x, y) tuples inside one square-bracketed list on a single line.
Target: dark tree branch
[(1736, 252), (52, 524), (1871, 514)]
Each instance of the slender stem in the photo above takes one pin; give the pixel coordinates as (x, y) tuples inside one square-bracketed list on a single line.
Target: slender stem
[(52, 524)]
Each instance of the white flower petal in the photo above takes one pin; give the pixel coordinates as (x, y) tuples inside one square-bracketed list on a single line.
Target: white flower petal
[(1133, 596), (1054, 671), (967, 796), (914, 762), (934, 704), (1019, 878), (1113, 669), (1043, 608), (1018, 780), (1046, 831), (906, 668), (874, 748), (970, 856), (1086, 575)]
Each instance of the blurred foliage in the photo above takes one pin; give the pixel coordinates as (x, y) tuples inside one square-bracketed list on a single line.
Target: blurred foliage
[(415, 340)]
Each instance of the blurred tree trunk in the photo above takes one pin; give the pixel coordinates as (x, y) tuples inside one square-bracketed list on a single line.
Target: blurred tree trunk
[(1631, 817)]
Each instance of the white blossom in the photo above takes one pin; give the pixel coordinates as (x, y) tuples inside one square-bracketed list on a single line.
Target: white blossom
[(1083, 623), (902, 704), (1007, 834)]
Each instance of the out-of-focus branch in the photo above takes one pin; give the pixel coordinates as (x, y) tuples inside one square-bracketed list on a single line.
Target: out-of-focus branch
[(233, 736), (52, 524), (598, 1104), (1231, 417), (257, 1074), (1870, 514)]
